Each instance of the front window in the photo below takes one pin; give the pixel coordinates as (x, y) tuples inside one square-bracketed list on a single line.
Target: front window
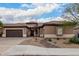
[(59, 30)]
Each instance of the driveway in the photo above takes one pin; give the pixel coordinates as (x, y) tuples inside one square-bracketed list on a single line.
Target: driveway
[(6, 43)]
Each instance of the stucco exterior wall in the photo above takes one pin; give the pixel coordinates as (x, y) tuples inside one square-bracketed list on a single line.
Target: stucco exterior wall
[(68, 30), (55, 36), (49, 30), (46, 31)]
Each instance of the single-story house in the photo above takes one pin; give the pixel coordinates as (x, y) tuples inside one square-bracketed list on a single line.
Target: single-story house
[(76, 31), (53, 29)]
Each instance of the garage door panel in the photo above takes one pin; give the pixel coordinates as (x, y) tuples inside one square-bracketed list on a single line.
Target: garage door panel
[(14, 33)]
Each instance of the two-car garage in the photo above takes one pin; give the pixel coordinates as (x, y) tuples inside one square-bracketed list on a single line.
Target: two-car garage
[(14, 33)]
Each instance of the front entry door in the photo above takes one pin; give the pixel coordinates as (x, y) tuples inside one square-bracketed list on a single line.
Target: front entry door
[(32, 33)]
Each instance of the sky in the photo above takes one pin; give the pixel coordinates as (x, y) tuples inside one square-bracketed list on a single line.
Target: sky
[(26, 12)]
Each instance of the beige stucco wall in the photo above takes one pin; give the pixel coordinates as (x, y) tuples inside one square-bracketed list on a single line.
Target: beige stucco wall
[(53, 30), (68, 30), (55, 36), (49, 30)]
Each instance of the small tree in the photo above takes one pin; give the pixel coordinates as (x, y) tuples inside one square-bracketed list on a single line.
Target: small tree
[(72, 13), (69, 23), (1, 28), (1, 24)]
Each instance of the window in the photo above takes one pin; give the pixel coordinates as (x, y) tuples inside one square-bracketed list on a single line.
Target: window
[(59, 30)]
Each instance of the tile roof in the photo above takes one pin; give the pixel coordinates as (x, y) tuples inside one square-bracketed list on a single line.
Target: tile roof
[(33, 24)]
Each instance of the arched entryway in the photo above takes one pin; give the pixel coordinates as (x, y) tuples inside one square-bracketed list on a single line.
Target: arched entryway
[(33, 32)]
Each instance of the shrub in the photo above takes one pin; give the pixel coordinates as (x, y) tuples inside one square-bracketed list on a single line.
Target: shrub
[(48, 39), (74, 40)]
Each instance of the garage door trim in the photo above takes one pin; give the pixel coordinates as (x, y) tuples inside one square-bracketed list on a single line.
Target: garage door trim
[(14, 33)]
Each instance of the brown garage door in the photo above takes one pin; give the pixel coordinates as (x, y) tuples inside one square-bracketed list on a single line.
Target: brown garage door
[(14, 33)]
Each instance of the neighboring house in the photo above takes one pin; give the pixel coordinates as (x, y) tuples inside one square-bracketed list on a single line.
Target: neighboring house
[(76, 31), (1, 31), (53, 29)]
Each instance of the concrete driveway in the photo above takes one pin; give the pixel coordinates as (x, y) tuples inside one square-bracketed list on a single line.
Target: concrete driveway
[(6, 43)]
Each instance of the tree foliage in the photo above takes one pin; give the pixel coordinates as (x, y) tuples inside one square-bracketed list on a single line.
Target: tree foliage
[(69, 23), (1, 28), (1, 24), (72, 13)]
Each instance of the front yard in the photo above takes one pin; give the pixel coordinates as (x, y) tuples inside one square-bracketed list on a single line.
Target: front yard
[(8, 43), (53, 43), (64, 43)]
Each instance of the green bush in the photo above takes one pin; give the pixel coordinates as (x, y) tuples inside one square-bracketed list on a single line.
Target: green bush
[(48, 39), (74, 40)]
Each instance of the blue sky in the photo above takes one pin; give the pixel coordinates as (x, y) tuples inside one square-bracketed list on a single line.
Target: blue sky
[(30, 11)]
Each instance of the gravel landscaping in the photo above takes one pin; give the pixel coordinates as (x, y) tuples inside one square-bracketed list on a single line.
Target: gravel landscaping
[(39, 42), (54, 43)]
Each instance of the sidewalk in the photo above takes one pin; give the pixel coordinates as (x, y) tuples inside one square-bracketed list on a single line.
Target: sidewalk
[(24, 50)]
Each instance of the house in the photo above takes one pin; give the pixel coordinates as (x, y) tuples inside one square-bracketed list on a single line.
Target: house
[(76, 31), (53, 29), (30, 29)]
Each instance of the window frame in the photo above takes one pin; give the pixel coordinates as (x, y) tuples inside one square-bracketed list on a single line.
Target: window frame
[(59, 28)]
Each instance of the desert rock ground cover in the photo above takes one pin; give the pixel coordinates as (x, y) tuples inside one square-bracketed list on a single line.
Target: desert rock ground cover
[(61, 43), (38, 42)]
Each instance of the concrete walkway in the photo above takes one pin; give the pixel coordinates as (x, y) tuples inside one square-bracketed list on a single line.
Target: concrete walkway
[(24, 50)]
